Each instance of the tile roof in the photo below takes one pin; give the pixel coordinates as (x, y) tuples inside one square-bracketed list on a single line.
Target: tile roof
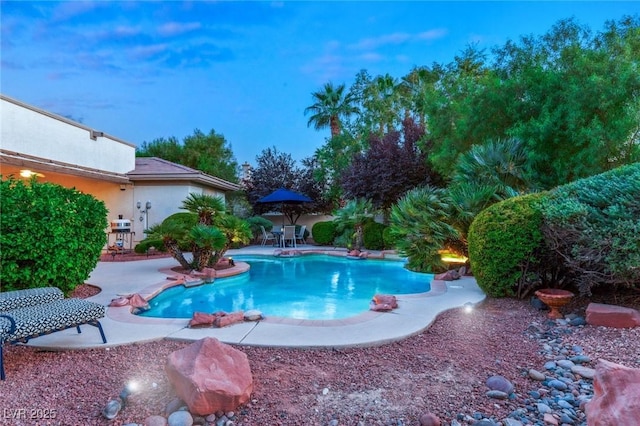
[(158, 169)]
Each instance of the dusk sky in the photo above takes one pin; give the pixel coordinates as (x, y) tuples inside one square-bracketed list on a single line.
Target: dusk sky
[(144, 70)]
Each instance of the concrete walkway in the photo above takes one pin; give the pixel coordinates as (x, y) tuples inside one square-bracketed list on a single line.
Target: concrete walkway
[(415, 313)]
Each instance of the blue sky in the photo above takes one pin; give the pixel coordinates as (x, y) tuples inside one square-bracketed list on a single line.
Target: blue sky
[(145, 70)]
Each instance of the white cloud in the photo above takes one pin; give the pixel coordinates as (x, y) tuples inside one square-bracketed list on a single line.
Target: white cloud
[(176, 28), (433, 34)]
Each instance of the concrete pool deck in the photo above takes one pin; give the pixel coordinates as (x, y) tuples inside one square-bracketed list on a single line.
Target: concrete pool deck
[(414, 313)]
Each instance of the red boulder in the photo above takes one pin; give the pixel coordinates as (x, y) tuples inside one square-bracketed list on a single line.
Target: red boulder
[(612, 316), (210, 376), (616, 395)]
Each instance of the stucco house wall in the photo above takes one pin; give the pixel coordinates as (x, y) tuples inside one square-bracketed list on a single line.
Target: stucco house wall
[(36, 133)]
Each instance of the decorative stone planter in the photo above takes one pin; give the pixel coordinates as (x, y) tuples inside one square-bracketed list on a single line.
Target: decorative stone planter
[(555, 299)]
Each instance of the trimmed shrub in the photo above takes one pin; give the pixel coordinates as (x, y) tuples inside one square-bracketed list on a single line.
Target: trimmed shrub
[(505, 242), (592, 226), (373, 235), (323, 232), (143, 246), (50, 235)]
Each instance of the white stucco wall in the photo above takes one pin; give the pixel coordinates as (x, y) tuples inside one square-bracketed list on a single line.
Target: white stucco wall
[(165, 198), (43, 135)]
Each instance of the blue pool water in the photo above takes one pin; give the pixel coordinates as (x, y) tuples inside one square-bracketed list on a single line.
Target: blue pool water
[(306, 287)]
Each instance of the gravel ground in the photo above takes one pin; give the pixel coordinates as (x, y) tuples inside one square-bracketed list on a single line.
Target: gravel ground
[(441, 370)]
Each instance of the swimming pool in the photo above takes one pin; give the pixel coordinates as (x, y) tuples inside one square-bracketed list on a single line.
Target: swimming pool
[(319, 287)]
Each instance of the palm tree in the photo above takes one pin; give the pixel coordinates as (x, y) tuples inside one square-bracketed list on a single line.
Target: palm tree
[(205, 206), (501, 163), (205, 230), (235, 231), (354, 214), (330, 107), (420, 225), (380, 100), (172, 234)]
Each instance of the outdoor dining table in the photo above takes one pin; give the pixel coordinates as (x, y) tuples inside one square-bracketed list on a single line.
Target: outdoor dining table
[(278, 235)]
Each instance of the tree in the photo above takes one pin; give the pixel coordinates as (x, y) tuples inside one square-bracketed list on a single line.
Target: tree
[(206, 230), (209, 153), (576, 98), (353, 216), (276, 170), (420, 225), (388, 169), (330, 107)]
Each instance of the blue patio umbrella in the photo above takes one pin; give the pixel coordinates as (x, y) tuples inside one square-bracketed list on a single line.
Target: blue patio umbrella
[(284, 196)]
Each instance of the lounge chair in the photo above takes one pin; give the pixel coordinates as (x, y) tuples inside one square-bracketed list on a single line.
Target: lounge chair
[(267, 236)]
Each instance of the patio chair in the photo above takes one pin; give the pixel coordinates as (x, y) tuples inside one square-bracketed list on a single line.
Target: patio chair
[(300, 236), (289, 235), (267, 236)]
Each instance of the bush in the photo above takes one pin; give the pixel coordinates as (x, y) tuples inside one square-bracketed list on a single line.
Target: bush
[(323, 232), (591, 228), (505, 242), (373, 232), (255, 222), (345, 239), (420, 226), (50, 235), (390, 241)]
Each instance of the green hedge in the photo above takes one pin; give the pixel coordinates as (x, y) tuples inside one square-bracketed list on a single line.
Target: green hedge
[(580, 235), (504, 240), (50, 235), (593, 226), (323, 232), (373, 235)]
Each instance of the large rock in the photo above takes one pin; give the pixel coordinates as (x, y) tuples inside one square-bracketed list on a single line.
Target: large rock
[(612, 316), (210, 376), (616, 395)]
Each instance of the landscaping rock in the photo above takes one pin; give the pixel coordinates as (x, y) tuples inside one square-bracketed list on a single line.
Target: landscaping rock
[(536, 375), (500, 383), (586, 372), (155, 421), (180, 418), (111, 410), (229, 319), (616, 398), (252, 315), (600, 314), (430, 419), (210, 376)]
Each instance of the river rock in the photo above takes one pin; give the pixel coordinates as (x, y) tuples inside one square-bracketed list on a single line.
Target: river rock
[(180, 418), (429, 419), (536, 375), (500, 383), (586, 372)]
